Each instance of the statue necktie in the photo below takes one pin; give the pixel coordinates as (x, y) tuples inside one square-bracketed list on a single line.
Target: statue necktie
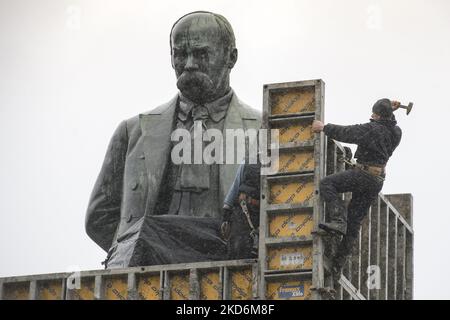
[(195, 177)]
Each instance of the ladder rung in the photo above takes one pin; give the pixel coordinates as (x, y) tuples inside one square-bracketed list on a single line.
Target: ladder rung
[(304, 240), (287, 208), (289, 115), (296, 273), (306, 145), (287, 174), (289, 177), (291, 119)]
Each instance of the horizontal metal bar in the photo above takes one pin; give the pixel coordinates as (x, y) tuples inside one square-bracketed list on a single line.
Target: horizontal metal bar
[(290, 174), (37, 277), (306, 145), (296, 118), (304, 240), (287, 208), (286, 272), (288, 115), (292, 85), (269, 276), (290, 177), (137, 270)]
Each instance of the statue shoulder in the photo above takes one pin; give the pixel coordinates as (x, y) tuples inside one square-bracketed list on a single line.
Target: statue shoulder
[(248, 112), (133, 124)]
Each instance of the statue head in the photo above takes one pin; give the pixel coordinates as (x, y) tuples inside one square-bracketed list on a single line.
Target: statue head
[(203, 53)]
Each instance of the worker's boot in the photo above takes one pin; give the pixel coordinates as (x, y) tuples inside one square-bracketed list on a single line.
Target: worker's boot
[(341, 255), (337, 265), (338, 219)]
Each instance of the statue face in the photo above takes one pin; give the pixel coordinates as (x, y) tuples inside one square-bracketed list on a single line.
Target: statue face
[(201, 61)]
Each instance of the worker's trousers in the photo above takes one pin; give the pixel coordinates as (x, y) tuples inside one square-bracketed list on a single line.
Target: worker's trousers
[(364, 188), (240, 244)]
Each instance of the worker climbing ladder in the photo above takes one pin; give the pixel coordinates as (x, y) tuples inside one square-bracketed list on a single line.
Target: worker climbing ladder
[(293, 251)]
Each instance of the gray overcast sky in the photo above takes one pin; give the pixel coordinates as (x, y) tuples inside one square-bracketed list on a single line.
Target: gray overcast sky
[(70, 71)]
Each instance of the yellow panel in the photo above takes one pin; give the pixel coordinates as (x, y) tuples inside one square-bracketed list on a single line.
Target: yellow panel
[(291, 225), (292, 192), (241, 284), (116, 288), (295, 131), (296, 161), (294, 101), (49, 290), (149, 287), (86, 292), (289, 290), (16, 291), (179, 287), (210, 286), (289, 258)]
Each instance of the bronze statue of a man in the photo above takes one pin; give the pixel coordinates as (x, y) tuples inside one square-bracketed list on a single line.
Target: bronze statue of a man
[(145, 209)]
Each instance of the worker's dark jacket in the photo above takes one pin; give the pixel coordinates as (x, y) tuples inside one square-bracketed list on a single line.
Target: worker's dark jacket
[(376, 139), (251, 182)]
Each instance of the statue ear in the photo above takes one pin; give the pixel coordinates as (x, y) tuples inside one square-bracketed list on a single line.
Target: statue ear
[(171, 60), (232, 58)]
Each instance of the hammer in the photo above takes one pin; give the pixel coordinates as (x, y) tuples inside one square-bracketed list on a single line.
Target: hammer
[(408, 107)]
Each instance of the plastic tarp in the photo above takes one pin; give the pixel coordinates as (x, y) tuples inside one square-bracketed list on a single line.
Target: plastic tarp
[(168, 239)]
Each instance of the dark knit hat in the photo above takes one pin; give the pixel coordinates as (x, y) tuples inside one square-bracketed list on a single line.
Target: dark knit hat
[(383, 108)]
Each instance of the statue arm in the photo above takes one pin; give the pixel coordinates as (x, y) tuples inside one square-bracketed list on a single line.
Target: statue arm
[(103, 213)]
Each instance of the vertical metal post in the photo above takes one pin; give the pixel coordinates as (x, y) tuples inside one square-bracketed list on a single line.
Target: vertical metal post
[(132, 286), (33, 290), (226, 284), (194, 284), (99, 291), (318, 248), (166, 292)]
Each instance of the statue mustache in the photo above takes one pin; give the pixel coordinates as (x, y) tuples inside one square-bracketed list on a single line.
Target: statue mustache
[(198, 79)]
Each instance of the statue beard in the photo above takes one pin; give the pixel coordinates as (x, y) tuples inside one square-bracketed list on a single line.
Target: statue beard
[(195, 85)]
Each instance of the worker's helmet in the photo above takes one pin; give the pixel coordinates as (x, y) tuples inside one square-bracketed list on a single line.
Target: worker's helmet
[(383, 108)]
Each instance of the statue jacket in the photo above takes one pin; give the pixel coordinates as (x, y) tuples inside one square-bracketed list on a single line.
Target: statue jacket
[(133, 169)]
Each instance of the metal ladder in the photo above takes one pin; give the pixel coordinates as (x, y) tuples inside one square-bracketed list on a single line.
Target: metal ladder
[(291, 252)]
